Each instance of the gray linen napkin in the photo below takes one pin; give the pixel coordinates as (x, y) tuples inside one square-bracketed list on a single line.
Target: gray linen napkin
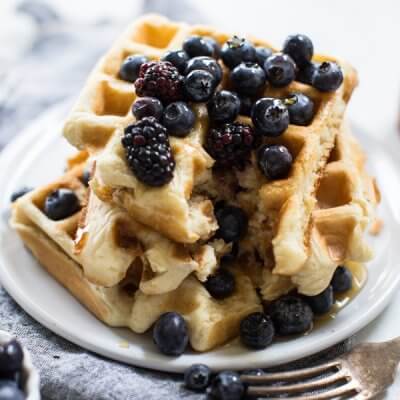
[(53, 69)]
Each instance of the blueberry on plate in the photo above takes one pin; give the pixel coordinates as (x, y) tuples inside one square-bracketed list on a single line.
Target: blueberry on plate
[(19, 193), (270, 116), (327, 77), (248, 78), (227, 386), (262, 53), (300, 48), (178, 58), (220, 285), (229, 258), (207, 64), (199, 85), (9, 391), (275, 161), (301, 108), (130, 67), (61, 204), (178, 118), (237, 50), (224, 106), (257, 331), (306, 72), (11, 357), (147, 107), (197, 377), (198, 46), (342, 280), (232, 223), (280, 70), (323, 302), (170, 334), (290, 315)]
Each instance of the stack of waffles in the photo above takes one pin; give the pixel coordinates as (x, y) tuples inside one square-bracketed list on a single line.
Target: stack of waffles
[(133, 252)]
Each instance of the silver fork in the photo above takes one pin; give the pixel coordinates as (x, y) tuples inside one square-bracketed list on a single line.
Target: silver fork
[(362, 373)]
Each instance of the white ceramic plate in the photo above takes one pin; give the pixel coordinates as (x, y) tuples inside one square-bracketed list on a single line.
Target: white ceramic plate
[(38, 156)]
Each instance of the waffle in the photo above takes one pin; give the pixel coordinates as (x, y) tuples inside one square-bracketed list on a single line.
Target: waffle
[(182, 209)]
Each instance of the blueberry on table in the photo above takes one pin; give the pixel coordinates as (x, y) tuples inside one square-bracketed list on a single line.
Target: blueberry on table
[(262, 53), (170, 334), (199, 85), (177, 58), (248, 78), (220, 285), (19, 193), (232, 223), (61, 204), (9, 391), (291, 315), (237, 50), (300, 107), (342, 280), (206, 64), (227, 386), (280, 70), (11, 357), (147, 107), (130, 67), (257, 331), (327, 77), (300, 48), (197, 377), (224, 106), (178, 118), (198, 46), (323, 302), (270, 116)]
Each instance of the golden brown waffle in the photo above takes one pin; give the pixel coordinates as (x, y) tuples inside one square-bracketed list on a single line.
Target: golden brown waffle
[(181, 210)]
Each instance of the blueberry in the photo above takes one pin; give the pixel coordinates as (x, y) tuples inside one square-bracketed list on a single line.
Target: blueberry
[(342, 280), (280, 70), (262, 53), (257, 331), (220, 285), (248, 78), (129, 70), (170, 334), (178, 118), (85, 178), (178, 58), (9, 391), (237, 50), (224, 106), (275, 161), (19, 193), (270, 116), (232, 222), (207, 64), (199, 85), (246, 104), (197, 377), (301, 108), (327, 77), (227, 386), (305, 73), (198, 46), (61, 204), (147, 107), (215, 45), (290, 315), (323, 302), (11, 357), (229, 258), (300, 48)]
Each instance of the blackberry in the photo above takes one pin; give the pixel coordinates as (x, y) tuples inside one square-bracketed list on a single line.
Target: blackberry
[(161, 80), (148, 152), (231, 144)]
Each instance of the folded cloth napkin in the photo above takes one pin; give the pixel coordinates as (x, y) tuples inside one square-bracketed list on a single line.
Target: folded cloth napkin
[(54, 68)]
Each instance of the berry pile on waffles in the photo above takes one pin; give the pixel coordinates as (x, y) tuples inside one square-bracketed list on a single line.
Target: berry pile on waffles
[(217, 191)]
